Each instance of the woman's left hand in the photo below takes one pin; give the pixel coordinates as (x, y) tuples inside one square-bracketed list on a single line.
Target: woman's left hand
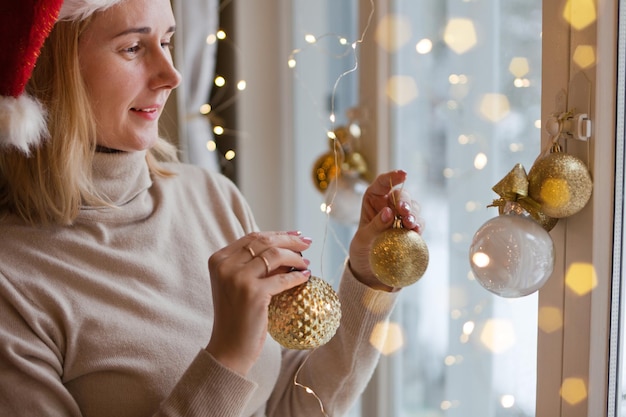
[(382, 202)]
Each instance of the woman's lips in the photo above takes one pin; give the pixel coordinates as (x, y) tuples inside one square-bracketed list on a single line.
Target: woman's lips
[(149, 113)]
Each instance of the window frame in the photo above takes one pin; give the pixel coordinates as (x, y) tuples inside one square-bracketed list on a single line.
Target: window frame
[(580, 349)]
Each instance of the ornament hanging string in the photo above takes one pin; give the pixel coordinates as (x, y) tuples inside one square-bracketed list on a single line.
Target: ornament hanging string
[(336, 150), (393, 196)]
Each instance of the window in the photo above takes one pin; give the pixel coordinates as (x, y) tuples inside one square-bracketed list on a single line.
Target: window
[(464, 106), (437, 135)]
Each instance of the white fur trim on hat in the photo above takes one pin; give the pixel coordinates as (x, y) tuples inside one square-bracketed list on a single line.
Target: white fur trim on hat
[(22, 122), (81, 9)]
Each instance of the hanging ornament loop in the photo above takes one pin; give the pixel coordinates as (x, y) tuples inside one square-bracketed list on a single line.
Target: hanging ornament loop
[(575, 126)]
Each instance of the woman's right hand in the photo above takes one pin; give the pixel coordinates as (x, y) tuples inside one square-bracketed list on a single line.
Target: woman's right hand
[(244, 277)]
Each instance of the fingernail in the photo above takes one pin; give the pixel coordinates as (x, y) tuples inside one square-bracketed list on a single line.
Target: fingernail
[(306, 240), (410, 219), (307, 262), (405, 206), (306, 272), (294, 233)]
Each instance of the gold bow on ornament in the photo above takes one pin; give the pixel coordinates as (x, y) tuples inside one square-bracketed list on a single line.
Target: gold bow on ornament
[(514, 188)]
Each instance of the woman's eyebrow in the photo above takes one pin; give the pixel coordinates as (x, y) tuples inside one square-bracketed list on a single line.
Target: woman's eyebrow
[(142, 30)]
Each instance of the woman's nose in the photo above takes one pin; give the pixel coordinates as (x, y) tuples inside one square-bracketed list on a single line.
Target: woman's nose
[(167, 76)]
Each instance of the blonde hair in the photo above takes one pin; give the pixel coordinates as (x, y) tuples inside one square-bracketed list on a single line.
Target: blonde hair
[(50, 185)]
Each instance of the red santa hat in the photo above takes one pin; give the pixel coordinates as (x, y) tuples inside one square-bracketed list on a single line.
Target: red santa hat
[(24, 27)]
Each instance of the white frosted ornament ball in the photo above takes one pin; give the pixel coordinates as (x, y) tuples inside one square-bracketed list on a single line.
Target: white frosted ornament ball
[(512, 255), (344, 197)]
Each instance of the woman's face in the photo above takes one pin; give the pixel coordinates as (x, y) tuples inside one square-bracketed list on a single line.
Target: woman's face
[(126, 63)]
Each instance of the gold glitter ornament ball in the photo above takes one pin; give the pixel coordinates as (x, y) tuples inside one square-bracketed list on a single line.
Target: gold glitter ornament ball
[(306, 316), (560, 183), (399, 256)]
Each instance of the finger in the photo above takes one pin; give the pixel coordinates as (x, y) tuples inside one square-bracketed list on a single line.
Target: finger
[(278, 283), (277, 260), (379, 194), (401, 202), (381, 222), (384, 183), (257, 243), (268, 268), (417, 218), (251, 251), (409, 210)]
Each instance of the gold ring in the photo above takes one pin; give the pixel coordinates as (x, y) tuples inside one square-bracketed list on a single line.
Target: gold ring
[(267, 264), (251, 251)]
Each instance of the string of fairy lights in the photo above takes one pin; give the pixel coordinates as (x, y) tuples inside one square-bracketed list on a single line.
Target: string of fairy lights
[(220, 101), (459, 35)]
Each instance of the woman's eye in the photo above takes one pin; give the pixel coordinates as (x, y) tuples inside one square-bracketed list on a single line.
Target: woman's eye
[(132, 50), (167, 45)]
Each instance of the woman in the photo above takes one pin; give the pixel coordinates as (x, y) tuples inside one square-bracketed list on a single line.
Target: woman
[(106, 304)]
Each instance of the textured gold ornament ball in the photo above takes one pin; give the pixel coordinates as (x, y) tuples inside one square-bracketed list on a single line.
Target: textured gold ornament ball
[(325, 169), (306, 316), (560, 183), (399, 257)]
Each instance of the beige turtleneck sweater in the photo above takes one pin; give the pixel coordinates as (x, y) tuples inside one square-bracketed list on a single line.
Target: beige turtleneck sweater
[(109, 317)]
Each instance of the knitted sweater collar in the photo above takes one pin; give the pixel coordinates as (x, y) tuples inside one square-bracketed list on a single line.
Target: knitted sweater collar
[(121, 176)]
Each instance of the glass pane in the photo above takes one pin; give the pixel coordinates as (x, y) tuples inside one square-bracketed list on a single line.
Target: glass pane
[(466, 93), (324, 83)]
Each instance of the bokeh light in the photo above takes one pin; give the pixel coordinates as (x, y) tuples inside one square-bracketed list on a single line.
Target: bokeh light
[(387, 337), (507, 401), (498, 335), (580, 13), (460, 35), (494, 107), (584, 56), (519, 67), (550, 319), (402, 89), (393, 32), (581, 278), (573, 390), (480, 161), (424, 46)]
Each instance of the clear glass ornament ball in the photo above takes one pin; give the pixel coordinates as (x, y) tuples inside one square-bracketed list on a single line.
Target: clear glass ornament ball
[(512, 255)]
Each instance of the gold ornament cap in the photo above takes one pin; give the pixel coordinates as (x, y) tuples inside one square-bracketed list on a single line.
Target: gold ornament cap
[(306, 316), (399, 257)]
